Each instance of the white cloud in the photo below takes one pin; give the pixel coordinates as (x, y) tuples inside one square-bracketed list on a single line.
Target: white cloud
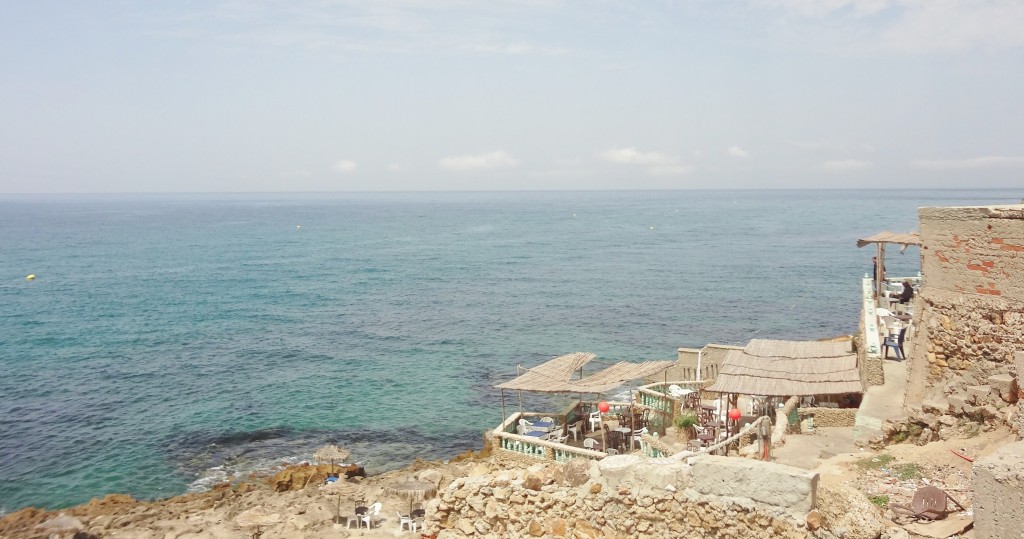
[(657, 164), (988, 161), (900, 26), (396, 167), (736, 151), (492, 160), (845, 165), (631, 156), (821, 8), (345, 166)]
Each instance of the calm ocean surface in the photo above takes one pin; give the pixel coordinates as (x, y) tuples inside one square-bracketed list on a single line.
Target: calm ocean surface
[(170, 340)]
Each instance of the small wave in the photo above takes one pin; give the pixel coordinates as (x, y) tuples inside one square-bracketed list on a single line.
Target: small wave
[(216, 475)]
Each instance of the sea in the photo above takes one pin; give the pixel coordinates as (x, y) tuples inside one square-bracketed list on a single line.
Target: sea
[(172, 341)]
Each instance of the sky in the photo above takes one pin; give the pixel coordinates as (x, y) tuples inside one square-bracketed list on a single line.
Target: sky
[(122, 96)]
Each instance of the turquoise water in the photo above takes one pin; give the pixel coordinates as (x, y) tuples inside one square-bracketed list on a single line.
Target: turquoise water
[(170, 340)]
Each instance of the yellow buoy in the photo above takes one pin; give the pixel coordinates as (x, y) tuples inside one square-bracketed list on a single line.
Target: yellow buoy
[(30, 277)]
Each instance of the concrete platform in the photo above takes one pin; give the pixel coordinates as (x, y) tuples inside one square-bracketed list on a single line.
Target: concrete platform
[(882, 402), (808, 450)]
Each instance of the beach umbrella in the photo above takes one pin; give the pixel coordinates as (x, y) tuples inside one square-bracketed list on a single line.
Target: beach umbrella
[(343, 489), (61, 524), (331, 453), (412, 490), (257, 517)]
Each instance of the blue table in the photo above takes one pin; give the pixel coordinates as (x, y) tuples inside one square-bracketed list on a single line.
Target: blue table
[(542, 425), (536, 433)]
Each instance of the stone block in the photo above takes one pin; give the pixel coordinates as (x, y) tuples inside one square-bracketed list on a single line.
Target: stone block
[(618, 469), (935, 406), (792, 489), (660, 473), (957, 403), (998, 485), (1006, 385), (979, 394)]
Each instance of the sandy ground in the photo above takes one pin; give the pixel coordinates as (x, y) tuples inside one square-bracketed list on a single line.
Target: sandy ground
[(893, 474)]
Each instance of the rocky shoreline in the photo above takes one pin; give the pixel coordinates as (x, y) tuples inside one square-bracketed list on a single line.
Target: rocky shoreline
[(481, 495)]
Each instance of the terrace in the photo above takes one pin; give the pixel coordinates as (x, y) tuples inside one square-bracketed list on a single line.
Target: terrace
[(582, 430)]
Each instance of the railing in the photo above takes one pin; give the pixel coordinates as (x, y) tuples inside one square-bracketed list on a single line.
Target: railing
[(656, 397), (543, 449), (755, 424), (872, 344), (537, 448)]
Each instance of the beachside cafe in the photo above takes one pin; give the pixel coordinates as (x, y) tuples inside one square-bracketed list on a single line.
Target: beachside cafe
[(887, 318), (803, 379), (582, 429)]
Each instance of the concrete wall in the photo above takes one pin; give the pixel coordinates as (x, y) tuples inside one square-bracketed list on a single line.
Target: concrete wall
[(999, 493), (974, 250), (972, 300)]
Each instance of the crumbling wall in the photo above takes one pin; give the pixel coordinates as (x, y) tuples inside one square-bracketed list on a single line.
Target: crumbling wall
[(971, 302), (628, 496), (872, 372)]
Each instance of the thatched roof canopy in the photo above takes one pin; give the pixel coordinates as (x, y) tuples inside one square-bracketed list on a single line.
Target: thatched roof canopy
[(555, 376), (557, 370), (787, 368), (904, 239)]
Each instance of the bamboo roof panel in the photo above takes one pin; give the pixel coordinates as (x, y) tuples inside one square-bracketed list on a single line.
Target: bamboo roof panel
[(786, 368), (557, 370), (900, 238), (556, 379)]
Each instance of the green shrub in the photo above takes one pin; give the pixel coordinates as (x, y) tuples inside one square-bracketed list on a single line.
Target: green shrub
[(880, 500), (686, 420), (907, 471), (876, 462)]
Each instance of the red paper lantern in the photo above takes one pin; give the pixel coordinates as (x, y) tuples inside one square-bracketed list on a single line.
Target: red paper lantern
[(734, 414), (603, 407)]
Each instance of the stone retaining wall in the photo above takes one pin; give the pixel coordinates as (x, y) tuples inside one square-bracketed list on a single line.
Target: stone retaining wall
[(628, 496), (831, 417), (971, 306)]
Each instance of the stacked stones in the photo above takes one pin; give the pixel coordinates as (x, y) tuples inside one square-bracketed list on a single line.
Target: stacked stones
[(831, 417), (612, 502)]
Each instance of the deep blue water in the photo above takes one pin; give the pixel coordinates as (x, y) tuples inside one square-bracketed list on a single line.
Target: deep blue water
[(169, 340)]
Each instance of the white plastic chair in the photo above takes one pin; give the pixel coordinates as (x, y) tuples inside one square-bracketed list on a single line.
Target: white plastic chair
[(548, 420), (635, 439), (558, 436), (591, 444), (370, 518), (404, 522), (612, 451), (575, 430), (595, 421), (677, 391)]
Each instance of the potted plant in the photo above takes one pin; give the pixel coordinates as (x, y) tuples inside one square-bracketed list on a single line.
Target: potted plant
[(685, 423)]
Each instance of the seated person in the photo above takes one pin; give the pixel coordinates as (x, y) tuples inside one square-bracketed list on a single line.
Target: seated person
[(908, 292)]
